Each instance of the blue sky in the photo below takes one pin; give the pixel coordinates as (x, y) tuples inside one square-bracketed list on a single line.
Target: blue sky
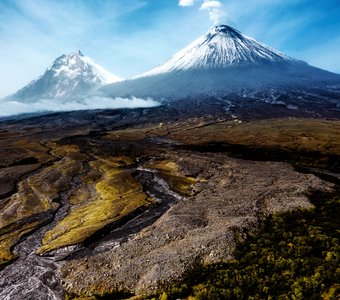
[(131, 36)]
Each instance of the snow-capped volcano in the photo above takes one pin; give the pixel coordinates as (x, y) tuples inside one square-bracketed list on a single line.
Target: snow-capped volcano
[(220, 62), (221, 47), (68, 76)]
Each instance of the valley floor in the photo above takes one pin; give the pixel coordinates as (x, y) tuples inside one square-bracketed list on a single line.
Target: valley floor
[(95, 204)]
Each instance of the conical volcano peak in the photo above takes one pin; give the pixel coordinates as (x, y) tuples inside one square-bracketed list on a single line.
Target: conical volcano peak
[(224, 29), (220, 62), (226, 32), (222, 47), (68, 76)]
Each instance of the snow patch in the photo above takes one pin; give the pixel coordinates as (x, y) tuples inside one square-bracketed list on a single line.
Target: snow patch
[(292, 107)]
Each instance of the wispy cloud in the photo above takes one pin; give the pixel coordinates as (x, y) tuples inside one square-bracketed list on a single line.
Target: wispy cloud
[(209, 4), (10, 108), (215, 8), (186, 2)]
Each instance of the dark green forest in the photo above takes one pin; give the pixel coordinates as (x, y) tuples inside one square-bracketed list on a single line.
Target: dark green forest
[(294, 256)]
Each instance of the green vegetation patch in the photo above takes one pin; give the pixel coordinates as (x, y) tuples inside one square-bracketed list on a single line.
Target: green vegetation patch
[(169, 171), (8, 240), (295, 256), (116, 193), (36, 196)]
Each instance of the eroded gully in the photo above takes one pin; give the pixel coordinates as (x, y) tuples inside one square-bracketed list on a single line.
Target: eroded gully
[(35, 277)]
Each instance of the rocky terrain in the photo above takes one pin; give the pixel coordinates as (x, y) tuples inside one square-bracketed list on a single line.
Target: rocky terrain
[(106, 201), (231, 196)]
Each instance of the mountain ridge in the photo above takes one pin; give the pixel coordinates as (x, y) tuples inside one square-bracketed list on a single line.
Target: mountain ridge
[(69, 75)]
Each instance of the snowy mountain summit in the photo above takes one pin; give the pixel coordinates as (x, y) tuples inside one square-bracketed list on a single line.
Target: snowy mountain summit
[(222, 47), (221, 62), (68, 76)]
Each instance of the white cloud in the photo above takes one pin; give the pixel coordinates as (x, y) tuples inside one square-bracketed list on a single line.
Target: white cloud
[(211, 4), (10, 108), (215, 9), (186, 2)]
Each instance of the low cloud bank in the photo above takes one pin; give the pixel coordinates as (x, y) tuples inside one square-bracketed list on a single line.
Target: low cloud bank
[(12, 107)]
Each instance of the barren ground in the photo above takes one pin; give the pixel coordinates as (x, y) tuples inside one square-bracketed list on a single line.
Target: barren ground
[(97, 204)]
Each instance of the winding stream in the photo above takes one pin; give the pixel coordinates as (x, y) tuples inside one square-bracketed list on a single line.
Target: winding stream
[(34, 277)]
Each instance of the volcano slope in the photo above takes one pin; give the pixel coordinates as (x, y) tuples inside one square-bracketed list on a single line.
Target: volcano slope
[(119, 203), (225, 61)]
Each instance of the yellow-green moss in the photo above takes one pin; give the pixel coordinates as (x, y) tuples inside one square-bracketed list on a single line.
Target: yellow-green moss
[(169, 170), (35, 195), (117, 194), (333, 293), (7, 241)]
